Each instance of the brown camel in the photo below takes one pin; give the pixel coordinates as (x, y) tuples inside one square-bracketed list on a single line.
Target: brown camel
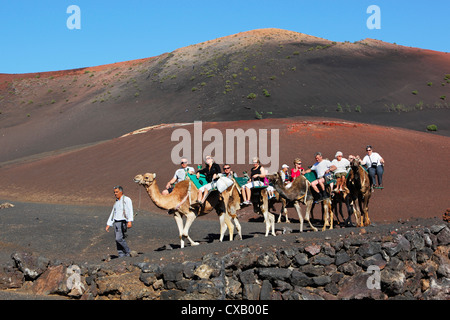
[(299, 192), (359, 186), (185, 192)]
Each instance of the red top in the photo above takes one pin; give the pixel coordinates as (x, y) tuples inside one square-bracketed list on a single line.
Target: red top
[(295, 174)]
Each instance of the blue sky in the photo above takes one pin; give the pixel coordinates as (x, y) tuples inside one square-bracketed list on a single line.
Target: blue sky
[(35, 38)]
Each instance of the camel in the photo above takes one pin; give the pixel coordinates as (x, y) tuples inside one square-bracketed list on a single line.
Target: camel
[(359, 185), (178, 203), (300, 192)]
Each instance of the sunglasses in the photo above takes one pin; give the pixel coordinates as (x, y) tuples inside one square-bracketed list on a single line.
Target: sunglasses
[(183, 162), (226, 168)]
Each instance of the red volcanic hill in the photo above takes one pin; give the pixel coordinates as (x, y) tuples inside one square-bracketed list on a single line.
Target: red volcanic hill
[(268, 73), (415, 173)]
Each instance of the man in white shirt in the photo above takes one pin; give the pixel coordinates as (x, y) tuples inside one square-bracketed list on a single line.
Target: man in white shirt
[(342, 165), (120, 218), (375, 166), (180, 175), (321, 167)]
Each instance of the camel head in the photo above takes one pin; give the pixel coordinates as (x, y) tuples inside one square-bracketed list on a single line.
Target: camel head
[(147, 179), (275, 178), (355, 162)]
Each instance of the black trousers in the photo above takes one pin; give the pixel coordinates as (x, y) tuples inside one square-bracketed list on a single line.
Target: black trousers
[(379, 170), (119, 231)]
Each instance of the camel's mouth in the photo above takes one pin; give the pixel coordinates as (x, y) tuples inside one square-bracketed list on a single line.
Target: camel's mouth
[(138, 179)]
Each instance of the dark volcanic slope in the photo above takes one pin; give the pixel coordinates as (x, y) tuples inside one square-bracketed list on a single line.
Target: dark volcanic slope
[(229, 78), (415, 183)]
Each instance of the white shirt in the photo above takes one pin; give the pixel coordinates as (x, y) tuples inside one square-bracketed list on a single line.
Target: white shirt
[(342, 166), (374, 157), (321, 167), (117, 211), (180, 174)]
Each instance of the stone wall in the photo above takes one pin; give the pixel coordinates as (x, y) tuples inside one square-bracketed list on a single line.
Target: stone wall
[(410, 263)]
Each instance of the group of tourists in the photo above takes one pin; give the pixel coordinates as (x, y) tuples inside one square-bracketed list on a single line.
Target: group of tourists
[(323, 169), (336, 170), (121, 216)]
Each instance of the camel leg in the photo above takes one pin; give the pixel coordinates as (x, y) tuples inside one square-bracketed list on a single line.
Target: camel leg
[(357, 215), (238, 227), (279, 216), (286, 215), (225, 223), (366, 213), (299, 212), (269, 220), (360, 222), (283, 211), (326, 216), (179, 221), (190, 217), (309, 205), (330, 214), (272, 222), (222, 226)]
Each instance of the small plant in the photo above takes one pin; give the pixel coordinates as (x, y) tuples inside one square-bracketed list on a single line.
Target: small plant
[(194, 89), (251, 96), (415, 92), (419, 105), (430, 84), (258, 115), (432, 127), (266, 93), (442, 97), (339, 108), (358, 108)]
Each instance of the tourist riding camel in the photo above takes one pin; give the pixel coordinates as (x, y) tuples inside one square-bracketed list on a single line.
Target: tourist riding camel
[(179, 176), (375, 166), (321, 167)]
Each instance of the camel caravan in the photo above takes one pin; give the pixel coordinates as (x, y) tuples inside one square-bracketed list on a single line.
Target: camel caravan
[(190, 194)]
